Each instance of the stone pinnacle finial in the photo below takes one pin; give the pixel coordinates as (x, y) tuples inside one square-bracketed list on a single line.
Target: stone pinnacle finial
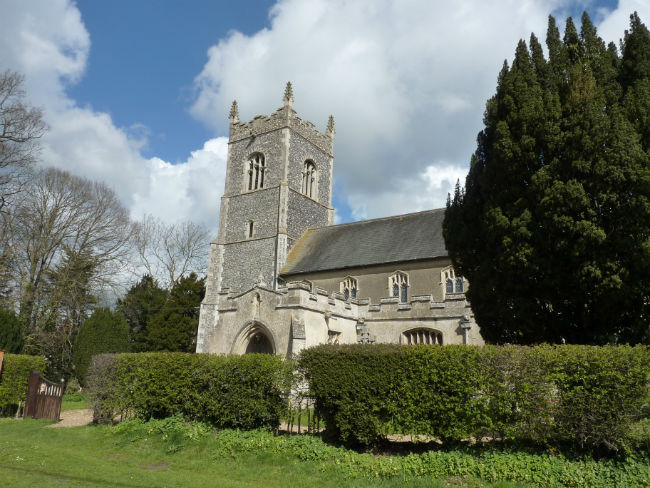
[(288, 95), (234, 112), (330, 124)]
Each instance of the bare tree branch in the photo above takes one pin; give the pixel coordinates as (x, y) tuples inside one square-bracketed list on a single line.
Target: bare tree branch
[(63, 216), (20, 128), (170, 251)]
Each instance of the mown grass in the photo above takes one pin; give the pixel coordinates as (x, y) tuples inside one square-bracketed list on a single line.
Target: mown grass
[(33, 455), (74, 401), (175, 453)]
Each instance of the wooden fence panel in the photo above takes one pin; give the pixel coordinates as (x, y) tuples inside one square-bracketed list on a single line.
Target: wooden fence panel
[(43, 397)]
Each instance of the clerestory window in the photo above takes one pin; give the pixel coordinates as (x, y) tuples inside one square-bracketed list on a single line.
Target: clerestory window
[(255, 172), (398, 284), (349, 288), (309, 179)]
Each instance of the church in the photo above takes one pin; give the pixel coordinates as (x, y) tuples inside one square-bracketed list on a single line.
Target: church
[(282, 277)]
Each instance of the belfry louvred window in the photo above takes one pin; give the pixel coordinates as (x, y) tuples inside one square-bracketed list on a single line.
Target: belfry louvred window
[(309, 179), (256, 170)]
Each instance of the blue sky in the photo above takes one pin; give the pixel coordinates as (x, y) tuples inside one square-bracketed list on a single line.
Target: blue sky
[(142, 64), (137, 92)]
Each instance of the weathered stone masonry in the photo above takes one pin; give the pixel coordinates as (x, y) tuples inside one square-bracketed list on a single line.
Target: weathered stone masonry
[(264, 295)]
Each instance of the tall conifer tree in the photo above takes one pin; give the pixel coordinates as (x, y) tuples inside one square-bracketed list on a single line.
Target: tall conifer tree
[(553, 227)]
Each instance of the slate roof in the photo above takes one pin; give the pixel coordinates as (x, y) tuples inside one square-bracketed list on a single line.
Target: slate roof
[(392, 239)]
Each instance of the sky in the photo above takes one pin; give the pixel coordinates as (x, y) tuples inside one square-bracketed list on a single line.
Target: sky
[(137, 93)]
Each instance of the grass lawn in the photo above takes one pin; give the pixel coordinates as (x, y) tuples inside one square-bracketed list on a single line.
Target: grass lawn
[(74, 401), (32, 455)]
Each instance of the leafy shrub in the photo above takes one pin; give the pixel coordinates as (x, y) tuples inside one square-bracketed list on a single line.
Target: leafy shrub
[(227, 391), (103, 332), (100, 381), (582, 397), (14, 380)]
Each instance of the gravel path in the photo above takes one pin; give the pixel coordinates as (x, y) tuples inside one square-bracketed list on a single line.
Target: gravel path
[(74, 418)]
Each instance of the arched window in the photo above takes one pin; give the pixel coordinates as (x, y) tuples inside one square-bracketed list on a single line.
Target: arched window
[(459, 285), (422, 336), (309, 179), (399, 283), (256, 170), (451, 282), (349, 287)]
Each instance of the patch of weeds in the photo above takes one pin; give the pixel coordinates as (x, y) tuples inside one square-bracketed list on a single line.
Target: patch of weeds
[(488, 465), (175, 433)]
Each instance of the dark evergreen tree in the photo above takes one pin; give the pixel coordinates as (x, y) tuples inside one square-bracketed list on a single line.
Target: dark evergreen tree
[(141, 302), (11, 332), (634, 76), (103, 332), (552, 229), (174, 328)]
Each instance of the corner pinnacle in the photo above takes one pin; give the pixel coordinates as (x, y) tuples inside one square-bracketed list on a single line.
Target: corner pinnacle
[(288, 95), (234, 112), (330, 124)]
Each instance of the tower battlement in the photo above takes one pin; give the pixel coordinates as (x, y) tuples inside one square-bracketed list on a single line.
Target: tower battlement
[(283, 117)]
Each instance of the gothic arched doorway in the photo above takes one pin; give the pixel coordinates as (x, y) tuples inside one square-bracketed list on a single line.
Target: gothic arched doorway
[(259, 343), (254, 337)]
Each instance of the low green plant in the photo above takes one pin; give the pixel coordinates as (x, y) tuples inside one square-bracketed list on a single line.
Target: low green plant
[(175, 431), (487, 464)]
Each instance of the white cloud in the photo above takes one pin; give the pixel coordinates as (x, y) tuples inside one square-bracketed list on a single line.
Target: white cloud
[(47, 41), (187, 190), (406, 81), (616, 22), (424, 191)]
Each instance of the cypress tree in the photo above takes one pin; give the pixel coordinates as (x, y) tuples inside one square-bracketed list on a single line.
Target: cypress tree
[(556, 204), (103, 332), (143, 300), (174, 328)]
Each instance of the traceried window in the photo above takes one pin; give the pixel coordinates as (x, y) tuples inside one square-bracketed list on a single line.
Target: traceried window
[(398, 283), (451, 282), (255, 172), (349, 288), (422, 336), (309, 179)]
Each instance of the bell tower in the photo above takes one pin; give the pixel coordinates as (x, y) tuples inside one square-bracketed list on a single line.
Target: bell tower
[(278, 185)]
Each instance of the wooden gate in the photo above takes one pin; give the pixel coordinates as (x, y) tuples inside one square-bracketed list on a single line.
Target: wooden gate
[(43, 397)]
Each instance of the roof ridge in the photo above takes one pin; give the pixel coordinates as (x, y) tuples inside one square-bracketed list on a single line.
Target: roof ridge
[(433, 210)]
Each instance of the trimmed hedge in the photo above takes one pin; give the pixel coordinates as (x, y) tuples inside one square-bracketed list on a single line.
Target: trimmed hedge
[(583, 397), (243, 392), (14, 380)]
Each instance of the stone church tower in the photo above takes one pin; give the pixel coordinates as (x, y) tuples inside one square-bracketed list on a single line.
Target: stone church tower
[(278, 185)]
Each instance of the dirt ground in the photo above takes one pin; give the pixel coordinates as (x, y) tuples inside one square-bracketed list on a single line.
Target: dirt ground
[(74, 418)]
